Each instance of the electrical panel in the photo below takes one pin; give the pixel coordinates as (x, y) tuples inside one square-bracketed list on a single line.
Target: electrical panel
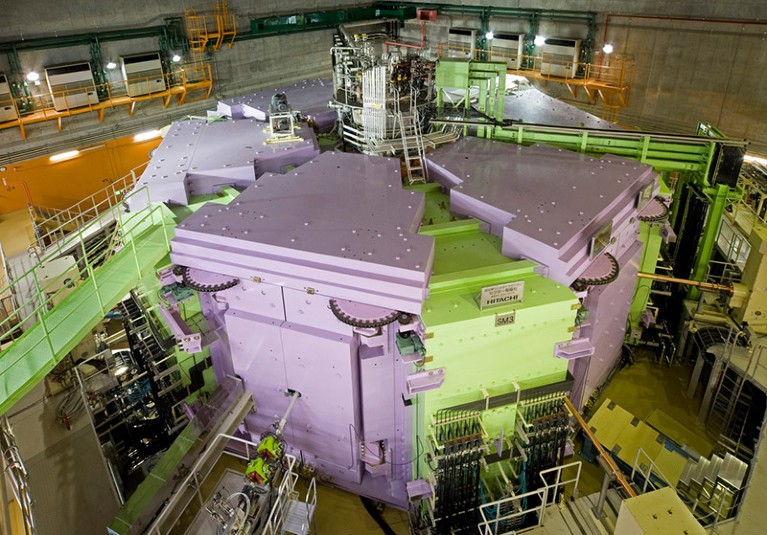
[(7, 107), (508, 47), (559, 57), (72, 86), (143, 74), (460, 42)]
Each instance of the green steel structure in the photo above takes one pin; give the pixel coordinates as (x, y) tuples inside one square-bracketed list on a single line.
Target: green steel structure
[(703, 163), (59, 318), (489, 362)]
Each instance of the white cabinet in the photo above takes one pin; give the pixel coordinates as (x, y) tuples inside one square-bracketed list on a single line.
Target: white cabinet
[(143, 74), (508, 47), (460, 42), (7, 107), (72, 86), (559, 57)]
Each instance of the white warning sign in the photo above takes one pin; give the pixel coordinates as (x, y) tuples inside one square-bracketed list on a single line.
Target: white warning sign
[(502, 294)]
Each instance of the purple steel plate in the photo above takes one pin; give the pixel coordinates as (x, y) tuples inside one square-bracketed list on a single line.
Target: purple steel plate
[(310, 97), (545, 202), (340, 225), (196, 157)]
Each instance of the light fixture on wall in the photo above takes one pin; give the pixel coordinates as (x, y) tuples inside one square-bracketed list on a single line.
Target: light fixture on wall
[(489, 35), (176, 58), (143, 136), (64, 155), (33, 76), (608, 48), (539, 40), (111, 65)]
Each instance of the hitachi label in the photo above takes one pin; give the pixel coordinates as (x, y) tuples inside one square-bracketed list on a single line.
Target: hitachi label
[(502, 294)]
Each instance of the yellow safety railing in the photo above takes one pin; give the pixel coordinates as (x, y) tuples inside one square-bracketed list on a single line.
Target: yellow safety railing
[(179, 82), (213, 28)]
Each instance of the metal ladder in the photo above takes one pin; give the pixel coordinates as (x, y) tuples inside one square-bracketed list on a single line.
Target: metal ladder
[(16, 472), (412, 141), (731, 406)]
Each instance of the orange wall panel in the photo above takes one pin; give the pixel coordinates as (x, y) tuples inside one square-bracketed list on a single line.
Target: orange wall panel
[(64, 183)]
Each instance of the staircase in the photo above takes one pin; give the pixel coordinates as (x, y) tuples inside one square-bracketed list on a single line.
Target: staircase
[(731, 404), (53, 225), (299, 514), (58, 320), (412, 141), (732, 399)]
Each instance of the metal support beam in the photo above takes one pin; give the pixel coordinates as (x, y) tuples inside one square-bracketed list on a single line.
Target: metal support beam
[(700, 285), (612, 468), (710, 232)]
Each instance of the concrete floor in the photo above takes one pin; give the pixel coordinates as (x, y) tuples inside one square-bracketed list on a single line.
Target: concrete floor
[(646, 389), (338, 512)]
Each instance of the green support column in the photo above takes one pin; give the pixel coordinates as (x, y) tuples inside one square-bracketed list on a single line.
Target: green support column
[(529, 50), (706, 248), (649, 235), (484, 27)]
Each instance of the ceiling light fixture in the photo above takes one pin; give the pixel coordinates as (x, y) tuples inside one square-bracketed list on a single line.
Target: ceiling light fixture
[(608, 48), (33, 76), (111, 65), (64, 155), (143, 136), (489, 35), (176, 58), (539, 40)]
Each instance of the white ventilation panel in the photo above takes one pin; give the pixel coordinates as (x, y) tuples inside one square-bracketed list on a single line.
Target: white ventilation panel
[(460, 42), (143, 74), (559, 57), (508, 47), (7, 107), (72, 86)]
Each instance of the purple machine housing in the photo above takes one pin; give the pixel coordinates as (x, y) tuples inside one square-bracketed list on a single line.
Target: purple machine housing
[(340, 227)]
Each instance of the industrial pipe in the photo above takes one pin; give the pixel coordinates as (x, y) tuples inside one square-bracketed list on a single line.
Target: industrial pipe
[(702, 286), (614, 470)]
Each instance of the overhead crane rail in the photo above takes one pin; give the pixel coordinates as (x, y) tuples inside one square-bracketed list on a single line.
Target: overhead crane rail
[(190, 79)]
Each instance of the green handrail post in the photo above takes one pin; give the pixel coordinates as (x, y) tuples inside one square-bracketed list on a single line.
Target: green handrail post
[(715, 212), (135, 257), (41, 313), (91, 276)]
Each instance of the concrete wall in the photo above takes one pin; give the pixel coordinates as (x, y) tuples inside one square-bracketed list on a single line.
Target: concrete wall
[(250, 64), (685, 72), (689, 71), (45, 18)]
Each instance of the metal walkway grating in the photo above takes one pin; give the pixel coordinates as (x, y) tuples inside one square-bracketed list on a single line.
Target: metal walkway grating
[(298, 517)]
